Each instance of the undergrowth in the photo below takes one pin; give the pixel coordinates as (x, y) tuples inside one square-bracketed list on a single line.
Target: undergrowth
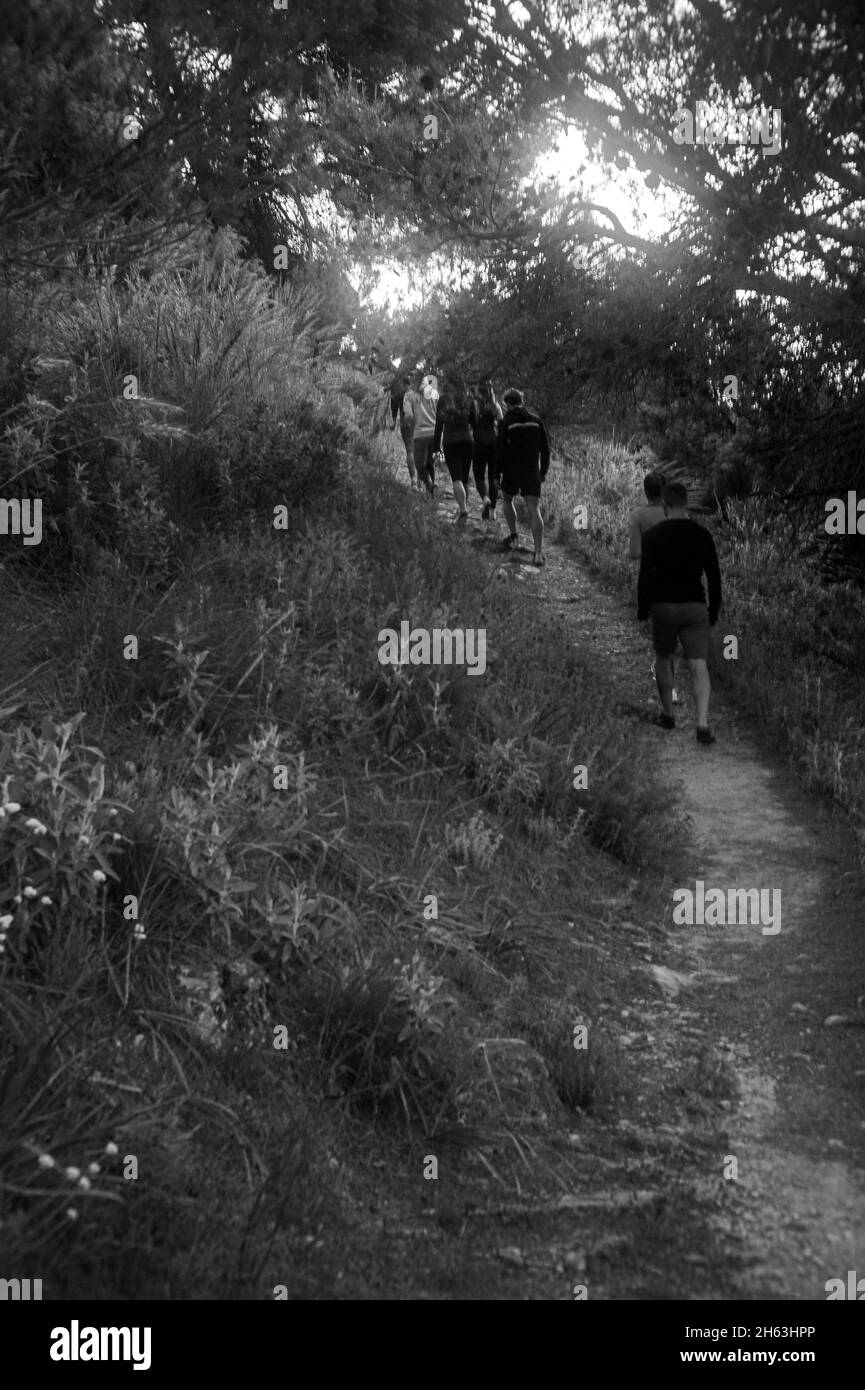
[(261, 895)]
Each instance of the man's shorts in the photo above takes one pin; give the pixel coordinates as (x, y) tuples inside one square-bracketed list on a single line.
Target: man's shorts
[(524, 481), (687, 621)]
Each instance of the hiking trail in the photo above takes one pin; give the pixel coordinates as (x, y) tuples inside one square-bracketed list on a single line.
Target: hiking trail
[(726, 1027)]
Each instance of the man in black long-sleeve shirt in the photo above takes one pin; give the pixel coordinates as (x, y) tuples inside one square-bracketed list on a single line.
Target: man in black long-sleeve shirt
[(522, 463), (675, 555)]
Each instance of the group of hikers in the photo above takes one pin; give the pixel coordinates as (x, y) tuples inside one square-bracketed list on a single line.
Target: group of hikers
[(508, 451), (504, 445)]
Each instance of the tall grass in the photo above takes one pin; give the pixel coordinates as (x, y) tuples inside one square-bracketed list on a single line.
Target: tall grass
[(216, 967)]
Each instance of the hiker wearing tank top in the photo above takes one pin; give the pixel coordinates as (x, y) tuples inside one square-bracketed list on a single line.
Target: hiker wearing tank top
[(675, 555), (642, 520), (484, 463)]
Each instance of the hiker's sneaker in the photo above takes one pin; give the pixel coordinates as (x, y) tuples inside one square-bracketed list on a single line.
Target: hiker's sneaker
[(539, 561), (510, 542), (665, 721), (462, 516), (706, 736), (676, 700)]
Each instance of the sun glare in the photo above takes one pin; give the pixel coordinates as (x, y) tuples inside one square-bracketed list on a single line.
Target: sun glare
[(647, 214)]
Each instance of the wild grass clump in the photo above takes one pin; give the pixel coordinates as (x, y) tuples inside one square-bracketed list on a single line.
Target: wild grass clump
[(180, 400), (380, 1027)]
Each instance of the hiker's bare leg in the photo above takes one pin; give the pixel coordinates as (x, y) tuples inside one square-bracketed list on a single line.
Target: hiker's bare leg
[(702, 689), (664, 681), (409, 458), (510, 512), (536, 522)]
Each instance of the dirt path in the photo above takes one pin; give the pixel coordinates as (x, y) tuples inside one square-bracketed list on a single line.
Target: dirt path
[(750, 1119)]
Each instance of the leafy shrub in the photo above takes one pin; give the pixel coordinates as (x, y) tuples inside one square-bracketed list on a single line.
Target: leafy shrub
[(217, 836), (58, 835), (288, 457)]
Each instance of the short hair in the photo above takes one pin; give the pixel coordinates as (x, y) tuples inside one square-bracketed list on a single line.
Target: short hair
[(653, 484), (675, 495), (512, 396)]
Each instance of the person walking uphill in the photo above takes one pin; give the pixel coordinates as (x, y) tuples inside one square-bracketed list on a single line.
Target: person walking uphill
[(489, 416), (675, 555), (645, 517), (420, 407), (642, 520), (456, 418), (403, 416), (522, 463)]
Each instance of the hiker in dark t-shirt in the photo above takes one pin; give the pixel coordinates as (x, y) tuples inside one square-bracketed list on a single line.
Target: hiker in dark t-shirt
[(675, 555)]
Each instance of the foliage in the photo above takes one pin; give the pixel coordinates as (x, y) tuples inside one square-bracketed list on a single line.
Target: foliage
[(58, 836)]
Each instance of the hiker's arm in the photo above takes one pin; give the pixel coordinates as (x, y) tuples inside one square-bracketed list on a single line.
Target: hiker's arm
[(545, 453), (437, 437), (713, 576), (643, 587), (499, 451), (636, 538)]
